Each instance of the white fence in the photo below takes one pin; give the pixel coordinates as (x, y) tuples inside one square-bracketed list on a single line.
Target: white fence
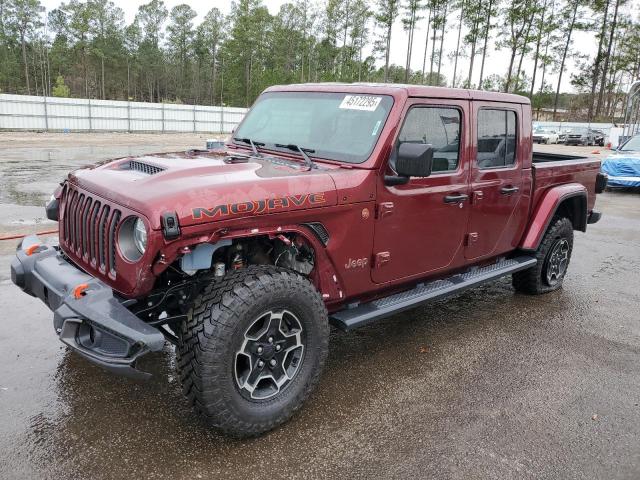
[(562, 126), (22, 112)]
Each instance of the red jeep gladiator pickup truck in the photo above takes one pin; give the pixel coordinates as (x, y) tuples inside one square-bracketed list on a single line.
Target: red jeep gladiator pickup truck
[(331, 203)]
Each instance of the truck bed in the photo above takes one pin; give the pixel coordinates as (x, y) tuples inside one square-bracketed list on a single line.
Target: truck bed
[(550, 169), (544, 157)]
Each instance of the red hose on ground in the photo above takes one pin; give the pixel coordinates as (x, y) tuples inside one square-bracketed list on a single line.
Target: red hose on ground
[(22, 235)]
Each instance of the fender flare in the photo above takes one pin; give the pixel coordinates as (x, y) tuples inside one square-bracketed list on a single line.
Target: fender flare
[(547, 207)]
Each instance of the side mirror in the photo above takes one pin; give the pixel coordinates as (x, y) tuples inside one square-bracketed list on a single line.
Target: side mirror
[(414, 159)]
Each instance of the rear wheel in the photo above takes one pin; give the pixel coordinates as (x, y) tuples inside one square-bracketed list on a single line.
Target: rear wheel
[(253, 349), (553, 255)]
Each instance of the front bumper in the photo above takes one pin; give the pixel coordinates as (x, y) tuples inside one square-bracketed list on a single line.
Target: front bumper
[(91, 320), (624, 181)]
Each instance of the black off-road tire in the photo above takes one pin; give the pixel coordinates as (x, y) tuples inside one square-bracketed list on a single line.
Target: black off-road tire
[(534, 280), (218, 324)]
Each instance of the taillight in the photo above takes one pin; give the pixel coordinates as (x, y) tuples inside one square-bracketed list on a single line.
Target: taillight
[(601, 182)]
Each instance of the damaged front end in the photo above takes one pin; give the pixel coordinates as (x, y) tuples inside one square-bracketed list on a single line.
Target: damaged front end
[(88, 315)]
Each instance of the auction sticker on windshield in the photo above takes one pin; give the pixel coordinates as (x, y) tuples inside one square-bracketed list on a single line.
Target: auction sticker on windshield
[(360, 102)]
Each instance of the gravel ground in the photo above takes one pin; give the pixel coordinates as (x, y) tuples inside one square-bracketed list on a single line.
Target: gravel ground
[(490, 384)]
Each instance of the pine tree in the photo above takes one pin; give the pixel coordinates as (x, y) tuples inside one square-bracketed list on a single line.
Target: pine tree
[(61, 89), (385, 17), (212, 32), (24, 18), (412, 16)]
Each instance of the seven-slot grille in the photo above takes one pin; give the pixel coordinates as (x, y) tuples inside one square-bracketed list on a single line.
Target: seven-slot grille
[(88, 229)]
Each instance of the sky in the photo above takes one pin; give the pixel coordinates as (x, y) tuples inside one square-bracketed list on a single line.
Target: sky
[(498, 60)]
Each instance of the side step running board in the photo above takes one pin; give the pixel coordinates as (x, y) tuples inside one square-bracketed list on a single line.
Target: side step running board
[(357, 316)]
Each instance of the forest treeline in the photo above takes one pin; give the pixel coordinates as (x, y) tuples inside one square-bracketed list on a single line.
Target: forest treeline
[(85, 49)]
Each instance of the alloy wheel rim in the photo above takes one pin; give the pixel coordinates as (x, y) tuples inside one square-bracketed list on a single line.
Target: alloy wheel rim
[(557, 262), (270, 356)]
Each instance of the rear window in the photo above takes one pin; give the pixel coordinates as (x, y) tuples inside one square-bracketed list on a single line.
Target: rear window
[(496, 138)]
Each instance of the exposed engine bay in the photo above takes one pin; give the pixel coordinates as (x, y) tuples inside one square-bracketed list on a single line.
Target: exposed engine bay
[(203, 264), (286, 251)]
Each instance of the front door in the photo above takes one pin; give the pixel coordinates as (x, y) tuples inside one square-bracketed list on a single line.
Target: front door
[(420, 226), (498, 206)]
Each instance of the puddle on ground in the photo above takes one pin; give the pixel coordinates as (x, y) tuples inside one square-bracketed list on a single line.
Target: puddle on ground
[(29, 175)]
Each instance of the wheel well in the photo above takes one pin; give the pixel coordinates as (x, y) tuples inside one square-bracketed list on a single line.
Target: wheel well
[(179, 285), (287, 249), (575, 209)]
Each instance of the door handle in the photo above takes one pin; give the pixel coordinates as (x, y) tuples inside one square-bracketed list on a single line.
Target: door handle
[(508, 190), (456, 198)]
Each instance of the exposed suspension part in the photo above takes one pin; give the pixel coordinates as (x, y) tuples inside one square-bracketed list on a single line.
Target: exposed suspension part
[(179, 285)]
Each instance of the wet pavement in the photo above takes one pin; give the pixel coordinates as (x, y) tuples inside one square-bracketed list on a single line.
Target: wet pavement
[(33, 164), (491, 384)]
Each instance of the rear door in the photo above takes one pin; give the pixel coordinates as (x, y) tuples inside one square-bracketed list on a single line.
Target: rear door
[(498, 207)]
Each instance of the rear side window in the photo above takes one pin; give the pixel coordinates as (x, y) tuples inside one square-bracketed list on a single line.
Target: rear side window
[(496, 138), (438, 126)]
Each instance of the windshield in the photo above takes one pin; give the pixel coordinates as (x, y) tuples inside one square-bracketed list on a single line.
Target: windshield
[(336, 126), (632, 145), (577, 130), (542, 130)]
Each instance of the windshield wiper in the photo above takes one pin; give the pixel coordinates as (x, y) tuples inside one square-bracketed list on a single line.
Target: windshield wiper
[(303, 151), (252, 143)]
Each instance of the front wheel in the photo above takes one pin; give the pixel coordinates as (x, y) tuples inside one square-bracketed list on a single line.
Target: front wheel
[(553, 255), (253, 349)]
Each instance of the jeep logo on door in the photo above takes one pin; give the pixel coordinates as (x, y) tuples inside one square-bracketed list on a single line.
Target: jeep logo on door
[(258, 207), (357, 263)]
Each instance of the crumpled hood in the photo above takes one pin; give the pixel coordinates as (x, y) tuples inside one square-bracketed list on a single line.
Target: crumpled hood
[(202, 187)]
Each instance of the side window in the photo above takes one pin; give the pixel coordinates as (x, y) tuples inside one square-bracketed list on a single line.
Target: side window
[(496, 138), (438, 126)]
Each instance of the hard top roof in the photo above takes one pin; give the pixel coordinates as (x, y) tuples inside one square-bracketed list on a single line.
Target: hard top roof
[(411, 91)]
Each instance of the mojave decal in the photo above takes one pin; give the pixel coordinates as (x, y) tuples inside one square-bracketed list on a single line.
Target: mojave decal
[(258, 207)]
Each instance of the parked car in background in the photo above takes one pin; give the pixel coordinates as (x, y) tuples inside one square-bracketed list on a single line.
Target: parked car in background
[(598, 137), (631, 145), (580, 136), (545, 135), (562, 135), (623, 166)]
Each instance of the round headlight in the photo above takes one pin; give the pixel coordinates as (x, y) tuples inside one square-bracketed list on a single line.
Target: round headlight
[(132, 239), (140, 235)]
